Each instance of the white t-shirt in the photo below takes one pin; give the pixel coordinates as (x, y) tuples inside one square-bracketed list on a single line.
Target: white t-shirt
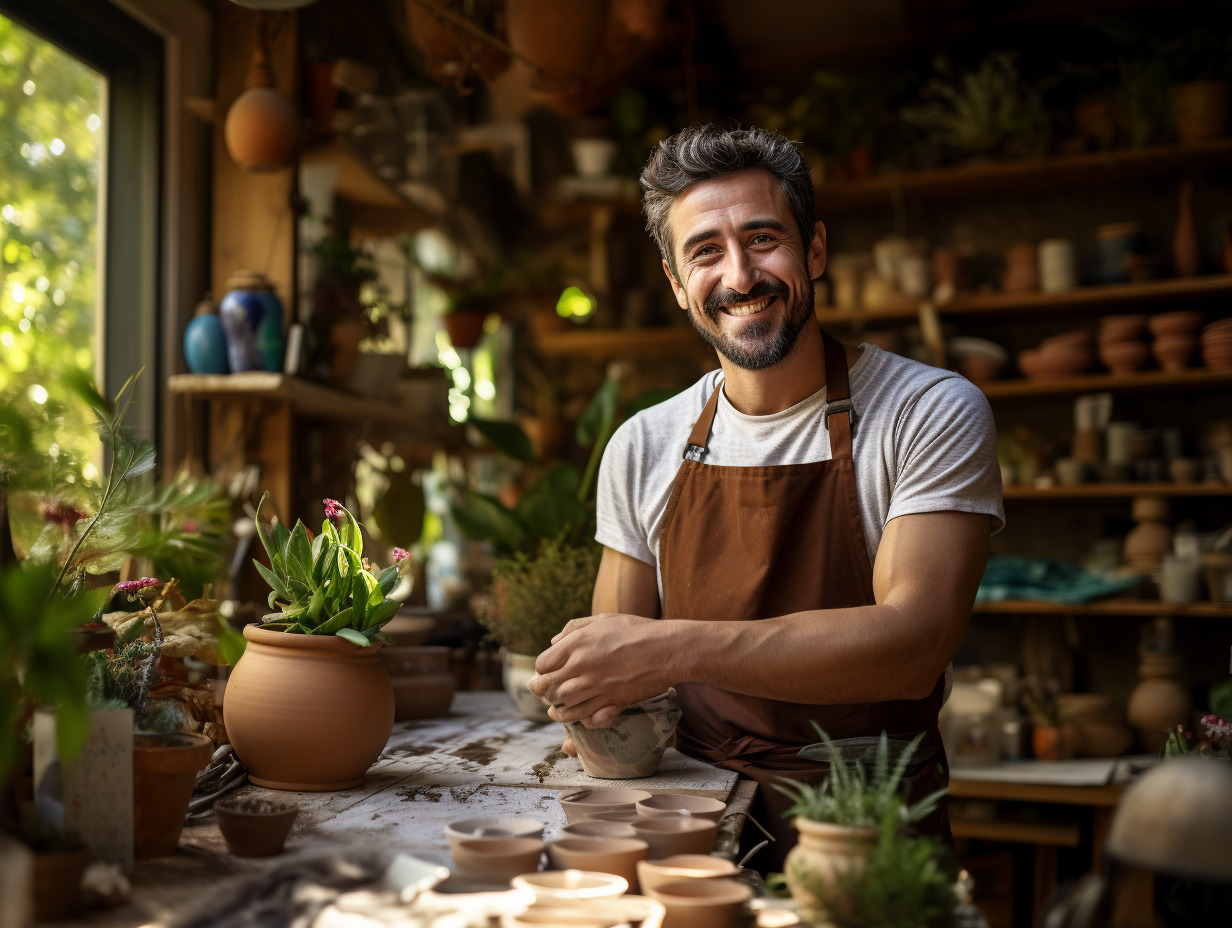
[(924, 441)]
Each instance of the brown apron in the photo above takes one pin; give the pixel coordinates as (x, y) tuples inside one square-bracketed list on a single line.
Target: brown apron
[(743, 543)]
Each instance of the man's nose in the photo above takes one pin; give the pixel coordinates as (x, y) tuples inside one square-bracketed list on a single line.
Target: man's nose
[(739, 271)]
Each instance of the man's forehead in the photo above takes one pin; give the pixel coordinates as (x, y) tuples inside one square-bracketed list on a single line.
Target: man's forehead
[(747, 194)]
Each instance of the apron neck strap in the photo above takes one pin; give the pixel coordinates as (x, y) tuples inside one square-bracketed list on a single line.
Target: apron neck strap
[(838, 401)]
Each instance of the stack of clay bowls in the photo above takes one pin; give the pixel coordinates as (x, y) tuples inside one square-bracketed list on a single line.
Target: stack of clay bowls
[(492, 851), (423, 684), (1217, 345), (1060, 356), (1175, 338), (1121, 348)]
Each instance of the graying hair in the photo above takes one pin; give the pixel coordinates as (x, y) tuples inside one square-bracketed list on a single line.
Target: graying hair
[(706, 151)]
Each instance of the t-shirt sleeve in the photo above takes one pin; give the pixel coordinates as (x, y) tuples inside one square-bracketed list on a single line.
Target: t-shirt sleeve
[(618, 524), (946, 455)]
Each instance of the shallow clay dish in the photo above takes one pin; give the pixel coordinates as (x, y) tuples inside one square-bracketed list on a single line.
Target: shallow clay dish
[(580, 804), (254, 827), (494, 828), (681, 805), (651, 874), (594, 828), (556, 887), (1183, 322)]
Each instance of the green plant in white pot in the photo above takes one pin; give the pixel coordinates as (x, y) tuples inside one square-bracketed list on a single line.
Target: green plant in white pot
[(309, 706), (841, 821)]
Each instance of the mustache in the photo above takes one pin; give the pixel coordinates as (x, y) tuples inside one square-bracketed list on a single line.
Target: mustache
[(759, 290)]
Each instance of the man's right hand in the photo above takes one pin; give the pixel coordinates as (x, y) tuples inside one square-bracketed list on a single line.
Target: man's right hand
[(569, 747)]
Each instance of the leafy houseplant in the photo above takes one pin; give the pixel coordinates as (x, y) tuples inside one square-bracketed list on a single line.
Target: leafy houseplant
[(540, 594), (323, 585)]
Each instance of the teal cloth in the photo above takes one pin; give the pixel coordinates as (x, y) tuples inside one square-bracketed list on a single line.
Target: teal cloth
[(1046, 579)]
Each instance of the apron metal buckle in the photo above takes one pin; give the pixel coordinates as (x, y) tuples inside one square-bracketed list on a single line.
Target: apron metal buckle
[(694, 452), (839, 406)]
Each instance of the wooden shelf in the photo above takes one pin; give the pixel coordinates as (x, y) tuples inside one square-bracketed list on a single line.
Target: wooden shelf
[(1053, 834), (1006, 304), (1103, 168), (1117, 490), (1129, 608), (602, 344), (376, 207), (1140, 381)]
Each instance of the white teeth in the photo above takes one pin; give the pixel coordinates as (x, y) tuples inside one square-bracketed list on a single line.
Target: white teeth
[(748, 310)]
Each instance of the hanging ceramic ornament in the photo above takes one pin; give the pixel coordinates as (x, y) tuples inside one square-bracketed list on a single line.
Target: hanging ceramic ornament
[(262, 126)]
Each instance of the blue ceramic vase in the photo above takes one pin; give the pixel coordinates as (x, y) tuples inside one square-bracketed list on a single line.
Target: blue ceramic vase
[(205, 345), (252, 320)]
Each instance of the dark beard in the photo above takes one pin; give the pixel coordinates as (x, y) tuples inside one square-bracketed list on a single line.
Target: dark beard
[(762, 345)]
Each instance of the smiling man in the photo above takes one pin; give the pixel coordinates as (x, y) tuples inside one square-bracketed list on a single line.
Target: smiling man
[(799, 536)]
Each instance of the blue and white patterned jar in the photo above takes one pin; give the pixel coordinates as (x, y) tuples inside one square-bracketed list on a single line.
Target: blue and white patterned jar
[(252, 320)]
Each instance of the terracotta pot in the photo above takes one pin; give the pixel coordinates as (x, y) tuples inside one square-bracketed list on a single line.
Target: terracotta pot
[(582, 804), (704, 903), (1181, 322), (1021, 269), (560, 37), (651, 874), (164, 773), (308, 712), (261, 130), (517, 671), (254, 827), (1123, 357), (497, 860), (1186, 254), (1173, 352), (465, 327), (618, 856), (823, 852), (423, 696), (669, 836), (402, 661), (56, 883), (1200, 109), (1122, 328), (1147, 544), (1049, 743)]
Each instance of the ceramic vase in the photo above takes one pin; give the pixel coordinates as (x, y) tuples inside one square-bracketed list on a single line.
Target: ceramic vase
[(205, 343), (1160, 701), (1151, 539), (164, 772), (251, 319), (518, 669), (1200, 109), (307, 712), (465, 327), (823, 852)]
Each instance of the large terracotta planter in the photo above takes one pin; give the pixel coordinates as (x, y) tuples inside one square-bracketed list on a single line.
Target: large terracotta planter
[(164, 773), (307, 712), (518, 669), (823, 852)]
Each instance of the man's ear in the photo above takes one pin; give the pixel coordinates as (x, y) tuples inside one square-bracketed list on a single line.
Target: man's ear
[(677, 287), (817, 251)]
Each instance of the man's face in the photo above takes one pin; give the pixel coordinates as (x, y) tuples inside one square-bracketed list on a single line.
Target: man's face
[(745, 276)]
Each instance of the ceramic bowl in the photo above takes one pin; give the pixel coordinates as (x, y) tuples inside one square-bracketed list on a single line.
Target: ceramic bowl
[(682, 805), (1183, 322), (669, 836), (496, 860), (1217, 357), (254, 827), (603, 913), (1123, 357), (494, 828), (594, 828), (1037, 365), (651, 874), (580, 804), (633, 746), (1079, 338), (717, 903), (557, 887), (1122, 328), (979, 370), (1173, 352), (606, 855)]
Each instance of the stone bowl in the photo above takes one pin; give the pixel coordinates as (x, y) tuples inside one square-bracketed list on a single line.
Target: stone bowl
[(254, 827), (633, 746)]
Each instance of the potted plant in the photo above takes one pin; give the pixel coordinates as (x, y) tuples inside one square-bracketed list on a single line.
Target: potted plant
[(1048, 738), (309, 706), (839, 820)]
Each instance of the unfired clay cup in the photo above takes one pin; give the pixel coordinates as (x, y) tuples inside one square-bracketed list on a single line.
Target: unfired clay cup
[(600, 913), (703, 903), (634, 744), (564, 887), (580, 804), (676, 804), (495, 828), (651, 874), (497, 860), (606, 855), (594, 828), (667, 836)]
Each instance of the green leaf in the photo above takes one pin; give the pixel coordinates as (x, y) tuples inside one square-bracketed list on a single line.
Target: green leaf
[(548, 513), (596, 422), (266, 534), (483, 518), (349, 533), (140, 461), (354, 637), (388, 579), (298, 554), (316, 605), (341, 620), (382, 614), (507, 437), (275, 582)]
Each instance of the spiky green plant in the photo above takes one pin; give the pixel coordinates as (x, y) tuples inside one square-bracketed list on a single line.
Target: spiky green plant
[(322, 586), (850, 796)]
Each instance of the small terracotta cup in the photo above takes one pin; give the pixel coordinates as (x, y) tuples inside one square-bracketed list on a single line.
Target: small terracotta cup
[(254, 827), (497, 860), (594, 828), (717, 903), (606, 855), (564, 887), (587, 802), (681, 805), (651, 874), (495, 828), (668, 836)]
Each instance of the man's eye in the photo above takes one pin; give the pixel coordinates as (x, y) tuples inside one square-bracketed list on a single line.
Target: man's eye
[(761, 238), (704, 251)]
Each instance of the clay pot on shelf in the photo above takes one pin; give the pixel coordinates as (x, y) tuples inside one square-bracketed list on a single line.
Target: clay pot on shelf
[(634, 744), (164, 772), (1160, 701), (1021, 269), (561, 40), (1122, 328), (1174, 352), (1123, 357), (1150, 540), (1180, 322), (1200, 109), (465, 327), (1186, 255), (254, 827), (1048, 743), (307, 712)]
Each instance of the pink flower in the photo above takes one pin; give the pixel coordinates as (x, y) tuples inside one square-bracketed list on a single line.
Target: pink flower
[(333, 508), (62, 514), (191, 526), (135, 586), (401, 554)]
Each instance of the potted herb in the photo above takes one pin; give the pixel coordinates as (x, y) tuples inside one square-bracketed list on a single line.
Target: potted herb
[(839, 819), (309, 706)]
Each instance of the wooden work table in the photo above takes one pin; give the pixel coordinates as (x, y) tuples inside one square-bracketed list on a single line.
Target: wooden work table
[(482, 759)]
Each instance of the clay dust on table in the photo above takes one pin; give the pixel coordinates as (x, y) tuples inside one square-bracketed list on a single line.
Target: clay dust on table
[(544, 770)]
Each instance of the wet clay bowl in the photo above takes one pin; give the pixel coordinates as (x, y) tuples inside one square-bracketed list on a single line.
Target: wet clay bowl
[(254, 827), (633, 746), (493, 828), (581, 804), (496, 861), (680, 805), (717, 903), (670, 836), (1183, 322), (594, 828), (651, 874), (565, 887), (618, 856)]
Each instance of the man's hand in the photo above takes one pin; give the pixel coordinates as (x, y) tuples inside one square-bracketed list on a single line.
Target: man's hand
[(600, 665)]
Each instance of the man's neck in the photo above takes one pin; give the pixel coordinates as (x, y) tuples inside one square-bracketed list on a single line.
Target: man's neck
[(799, 375)]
